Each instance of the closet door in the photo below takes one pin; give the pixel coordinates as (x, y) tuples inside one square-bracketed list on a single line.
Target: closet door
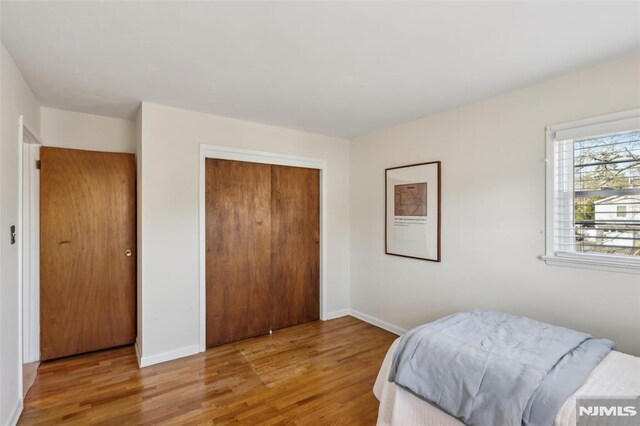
[(87, 245), (295, 246), (238, 249)]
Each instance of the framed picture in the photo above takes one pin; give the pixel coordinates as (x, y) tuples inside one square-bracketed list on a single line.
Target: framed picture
[(412, 211)]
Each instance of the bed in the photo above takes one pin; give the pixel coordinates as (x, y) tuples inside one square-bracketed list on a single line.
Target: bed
[(618, 374)]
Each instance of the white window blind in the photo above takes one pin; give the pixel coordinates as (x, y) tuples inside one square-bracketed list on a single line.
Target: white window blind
[(595, 192)]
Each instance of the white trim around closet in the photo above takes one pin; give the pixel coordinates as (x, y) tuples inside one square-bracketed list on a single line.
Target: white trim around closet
[(237, 154)]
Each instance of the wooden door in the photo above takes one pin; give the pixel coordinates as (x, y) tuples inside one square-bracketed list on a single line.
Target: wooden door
[(295, 246), (238, 249), (87, 243)]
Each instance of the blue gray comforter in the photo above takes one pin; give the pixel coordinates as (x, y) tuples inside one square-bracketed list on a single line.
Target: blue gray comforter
[(489, 368)]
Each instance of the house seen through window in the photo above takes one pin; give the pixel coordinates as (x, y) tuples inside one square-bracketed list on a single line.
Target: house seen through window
[(606, 194)]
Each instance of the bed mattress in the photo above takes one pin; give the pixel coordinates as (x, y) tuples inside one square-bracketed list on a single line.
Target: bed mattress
[(617, 374)]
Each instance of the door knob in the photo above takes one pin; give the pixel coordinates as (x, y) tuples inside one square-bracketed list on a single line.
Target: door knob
[(127, 253)]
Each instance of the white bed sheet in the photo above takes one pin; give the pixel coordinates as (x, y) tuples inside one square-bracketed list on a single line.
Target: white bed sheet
[(617, 374)]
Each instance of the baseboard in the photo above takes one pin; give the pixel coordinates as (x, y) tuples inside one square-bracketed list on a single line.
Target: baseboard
[(15, 413), (337, 314), (29, 375), (377, 322), (146, 361)]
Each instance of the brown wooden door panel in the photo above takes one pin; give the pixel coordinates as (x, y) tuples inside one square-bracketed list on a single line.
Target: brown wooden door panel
[(87, 222), (295, 246), (238, 249)]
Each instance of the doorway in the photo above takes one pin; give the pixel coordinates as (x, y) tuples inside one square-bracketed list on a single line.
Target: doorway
[(29, 250), (87, 251)]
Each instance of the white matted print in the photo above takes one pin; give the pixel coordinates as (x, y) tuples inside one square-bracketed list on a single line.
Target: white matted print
[(412, 216)]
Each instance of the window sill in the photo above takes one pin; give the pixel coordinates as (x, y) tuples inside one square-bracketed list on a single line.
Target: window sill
[(594, 262)]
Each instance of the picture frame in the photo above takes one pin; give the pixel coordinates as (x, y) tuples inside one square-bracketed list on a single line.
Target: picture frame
[(412, 211)]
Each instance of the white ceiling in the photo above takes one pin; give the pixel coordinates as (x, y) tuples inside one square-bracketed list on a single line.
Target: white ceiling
[(336, 68)]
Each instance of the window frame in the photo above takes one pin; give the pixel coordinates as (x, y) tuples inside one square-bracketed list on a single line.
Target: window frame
[(591, 127)]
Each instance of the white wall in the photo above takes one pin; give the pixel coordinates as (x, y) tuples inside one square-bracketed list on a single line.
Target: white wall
[(493, 217), (169, 213), (67, 129), (16, 99)]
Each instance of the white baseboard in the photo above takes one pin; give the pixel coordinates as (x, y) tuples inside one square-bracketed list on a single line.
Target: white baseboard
[(337, 314), (377, 322), (15, 413), (146, 361)]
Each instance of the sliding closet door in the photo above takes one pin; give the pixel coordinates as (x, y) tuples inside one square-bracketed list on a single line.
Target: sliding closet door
[(87, 244), (295, 246), (238, 249)]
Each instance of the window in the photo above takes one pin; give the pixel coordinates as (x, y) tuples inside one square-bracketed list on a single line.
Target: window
[(593, 193), (621, 211)]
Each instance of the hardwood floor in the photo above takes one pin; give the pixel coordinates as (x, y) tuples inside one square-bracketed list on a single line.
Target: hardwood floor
[(316, 373)]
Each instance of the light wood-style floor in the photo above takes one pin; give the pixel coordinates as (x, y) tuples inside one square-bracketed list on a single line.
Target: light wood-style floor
[(312, 374)]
